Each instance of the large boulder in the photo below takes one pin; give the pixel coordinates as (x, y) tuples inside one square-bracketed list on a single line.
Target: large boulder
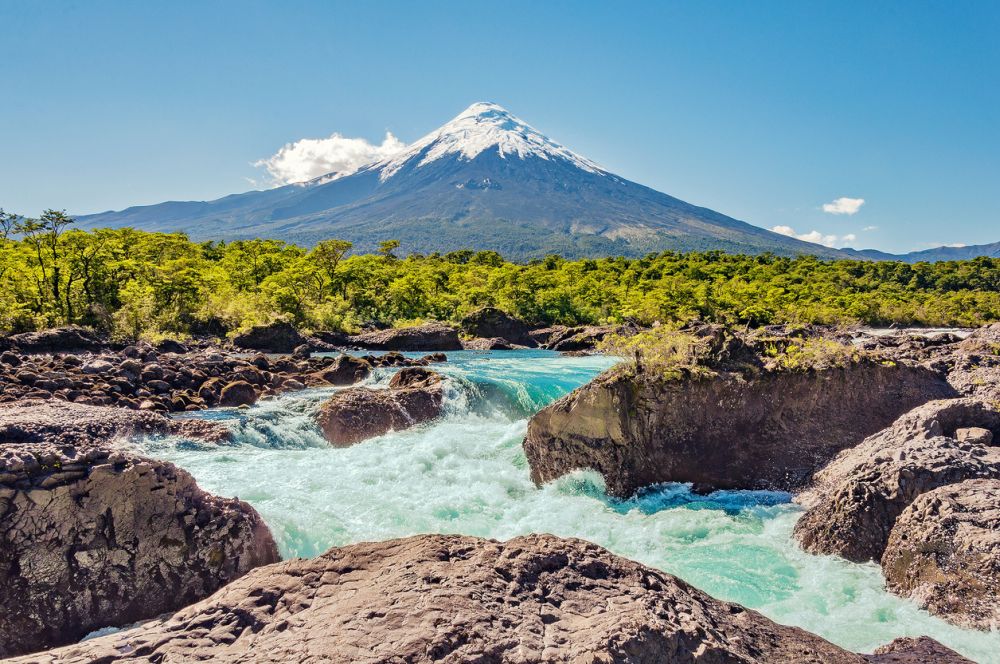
[(769, 430), (91, 537), (238, 393), (944, 552), (69, 339), (856, 499), (346, 370), (429, 336), (415, 395), (451, 598), (276, 337), (491, 322)]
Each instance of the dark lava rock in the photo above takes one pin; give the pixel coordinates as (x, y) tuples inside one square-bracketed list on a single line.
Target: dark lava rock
[(496, 343), (346, 370), (491, 322), (62, 423), (944, 552), (92, 537), (430, 336), (451, 598), (68, 339), (771, 430), (856, 499), (238, 393), (350, 416), (919, 650), (277, 337)]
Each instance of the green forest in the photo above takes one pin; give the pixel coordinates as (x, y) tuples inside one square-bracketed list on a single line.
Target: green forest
[(136, 284)]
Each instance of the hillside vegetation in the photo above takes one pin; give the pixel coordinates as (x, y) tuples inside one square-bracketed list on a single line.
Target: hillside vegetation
[(134, 283)]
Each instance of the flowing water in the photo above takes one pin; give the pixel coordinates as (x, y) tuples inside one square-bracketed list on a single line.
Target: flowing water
[(466, 473)]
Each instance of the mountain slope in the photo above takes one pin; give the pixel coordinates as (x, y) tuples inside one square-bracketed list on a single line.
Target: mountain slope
[(485, 180)]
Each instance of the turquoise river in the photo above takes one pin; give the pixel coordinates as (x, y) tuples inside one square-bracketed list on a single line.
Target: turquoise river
[(466, 473)]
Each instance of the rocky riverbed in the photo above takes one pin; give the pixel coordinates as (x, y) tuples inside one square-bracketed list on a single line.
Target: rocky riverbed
[(121, 524), (921, 482)]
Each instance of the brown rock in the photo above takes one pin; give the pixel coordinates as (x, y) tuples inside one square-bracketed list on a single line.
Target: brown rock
[(75, 424), (92, 537), (56, 340), (769, 431), (414, 396), (975, 435), (495, 343), (238, 393), (944, 552), (451, 598), (430, 336), (346, 370), (494, 323), (277, 337), (858, 496), (919, 650)]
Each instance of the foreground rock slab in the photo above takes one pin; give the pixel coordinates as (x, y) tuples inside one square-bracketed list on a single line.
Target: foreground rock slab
[(461, 599), (92, 537), (944, 552), (771, 431)]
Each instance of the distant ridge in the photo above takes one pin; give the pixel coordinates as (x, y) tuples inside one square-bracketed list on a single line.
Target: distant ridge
[(932, 255)]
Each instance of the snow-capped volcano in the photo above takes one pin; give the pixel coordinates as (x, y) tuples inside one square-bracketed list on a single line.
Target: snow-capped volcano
[(481, 127), (484, 180)]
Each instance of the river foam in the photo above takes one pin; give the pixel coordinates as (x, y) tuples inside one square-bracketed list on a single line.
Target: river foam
[(466, 473)]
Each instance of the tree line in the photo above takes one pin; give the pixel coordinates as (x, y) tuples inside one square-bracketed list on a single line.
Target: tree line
[(132, 284)]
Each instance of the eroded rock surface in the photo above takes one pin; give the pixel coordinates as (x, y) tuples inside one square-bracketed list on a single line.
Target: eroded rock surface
[(92, 537), (918, 650), (856, 498), (769, 430), (452, 598), (139, 376), (430, 336), (277, 337), (494, 323), (64, 423), (944, 552), (415, 395), (71, 338)]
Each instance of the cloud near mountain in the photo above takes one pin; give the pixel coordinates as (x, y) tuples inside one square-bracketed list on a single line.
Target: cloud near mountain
[(335, 155), (834, 241)]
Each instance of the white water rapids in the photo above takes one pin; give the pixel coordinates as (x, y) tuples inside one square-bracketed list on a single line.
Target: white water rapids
[(466, 473)]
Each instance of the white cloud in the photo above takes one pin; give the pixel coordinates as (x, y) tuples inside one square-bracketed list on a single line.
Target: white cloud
[(817, 237), (870, 228), (310, 158), (844, 205)]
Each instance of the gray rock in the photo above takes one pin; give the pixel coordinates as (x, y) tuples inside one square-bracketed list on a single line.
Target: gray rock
[(944, 552), (92, 537), (856, 499), (976, 435)]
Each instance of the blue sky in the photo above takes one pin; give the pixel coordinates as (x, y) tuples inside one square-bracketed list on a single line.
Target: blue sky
[(764, 111)]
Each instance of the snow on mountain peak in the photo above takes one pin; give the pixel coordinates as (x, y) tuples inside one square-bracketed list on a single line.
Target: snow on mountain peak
[(480, 127)]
